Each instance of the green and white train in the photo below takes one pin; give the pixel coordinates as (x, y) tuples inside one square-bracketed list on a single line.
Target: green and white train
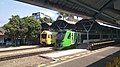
[(66, 38)]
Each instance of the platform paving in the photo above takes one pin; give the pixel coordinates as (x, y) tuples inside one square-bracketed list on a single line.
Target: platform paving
[(57, 54), (17, 48), (97, 58)]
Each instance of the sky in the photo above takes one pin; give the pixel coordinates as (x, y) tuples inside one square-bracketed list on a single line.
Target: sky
[(11, 7)]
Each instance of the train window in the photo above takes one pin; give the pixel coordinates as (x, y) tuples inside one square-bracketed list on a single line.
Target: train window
[(44, 36), (49, 36), (69, 36)]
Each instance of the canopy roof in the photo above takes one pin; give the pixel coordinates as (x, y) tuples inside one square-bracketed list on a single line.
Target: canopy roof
[(106, 11)]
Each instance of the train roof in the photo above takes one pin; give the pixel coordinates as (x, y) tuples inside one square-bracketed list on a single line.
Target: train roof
[(46, 31)]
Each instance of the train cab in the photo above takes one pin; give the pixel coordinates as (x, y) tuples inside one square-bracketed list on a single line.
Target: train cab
[(46, 38)]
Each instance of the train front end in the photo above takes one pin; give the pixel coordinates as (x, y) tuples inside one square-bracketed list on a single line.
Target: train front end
[(46, 38), (65, 39)]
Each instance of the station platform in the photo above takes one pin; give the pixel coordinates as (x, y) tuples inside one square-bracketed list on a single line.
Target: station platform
[(83, 58), (18, 48), (57, 54)]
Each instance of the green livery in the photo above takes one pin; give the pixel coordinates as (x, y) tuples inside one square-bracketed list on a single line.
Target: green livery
[(66, 38)]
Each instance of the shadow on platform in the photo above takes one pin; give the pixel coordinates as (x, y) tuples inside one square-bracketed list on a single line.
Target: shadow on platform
[(103, 62)]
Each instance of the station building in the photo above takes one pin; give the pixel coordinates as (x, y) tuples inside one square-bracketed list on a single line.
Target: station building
[(2, 36)]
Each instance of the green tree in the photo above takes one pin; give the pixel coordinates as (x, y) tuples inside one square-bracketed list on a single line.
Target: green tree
[(12, 28), (46, 20), (33, 29), (22, 30)]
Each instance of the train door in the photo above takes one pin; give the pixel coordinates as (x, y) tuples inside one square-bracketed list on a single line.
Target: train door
[(43, 38), (53, 39), (49, 39), (72, 38)]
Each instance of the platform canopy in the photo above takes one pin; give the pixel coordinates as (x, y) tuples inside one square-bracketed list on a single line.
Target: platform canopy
[(106, 11)]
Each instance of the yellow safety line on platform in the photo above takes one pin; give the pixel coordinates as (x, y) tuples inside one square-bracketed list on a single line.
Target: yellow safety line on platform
[(41, 65), (71, 57)]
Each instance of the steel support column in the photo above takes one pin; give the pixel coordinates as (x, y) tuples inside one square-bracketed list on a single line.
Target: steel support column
[(88, 30)]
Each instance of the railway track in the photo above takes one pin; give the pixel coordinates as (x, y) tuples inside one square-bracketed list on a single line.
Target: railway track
[(22, 53), (18, 49)]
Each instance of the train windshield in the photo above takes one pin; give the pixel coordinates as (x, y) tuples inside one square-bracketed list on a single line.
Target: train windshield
[(44, 36), (61, 35)]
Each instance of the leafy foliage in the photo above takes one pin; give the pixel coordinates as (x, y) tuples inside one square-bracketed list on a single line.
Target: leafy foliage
[(46, 20), (22, 30)]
